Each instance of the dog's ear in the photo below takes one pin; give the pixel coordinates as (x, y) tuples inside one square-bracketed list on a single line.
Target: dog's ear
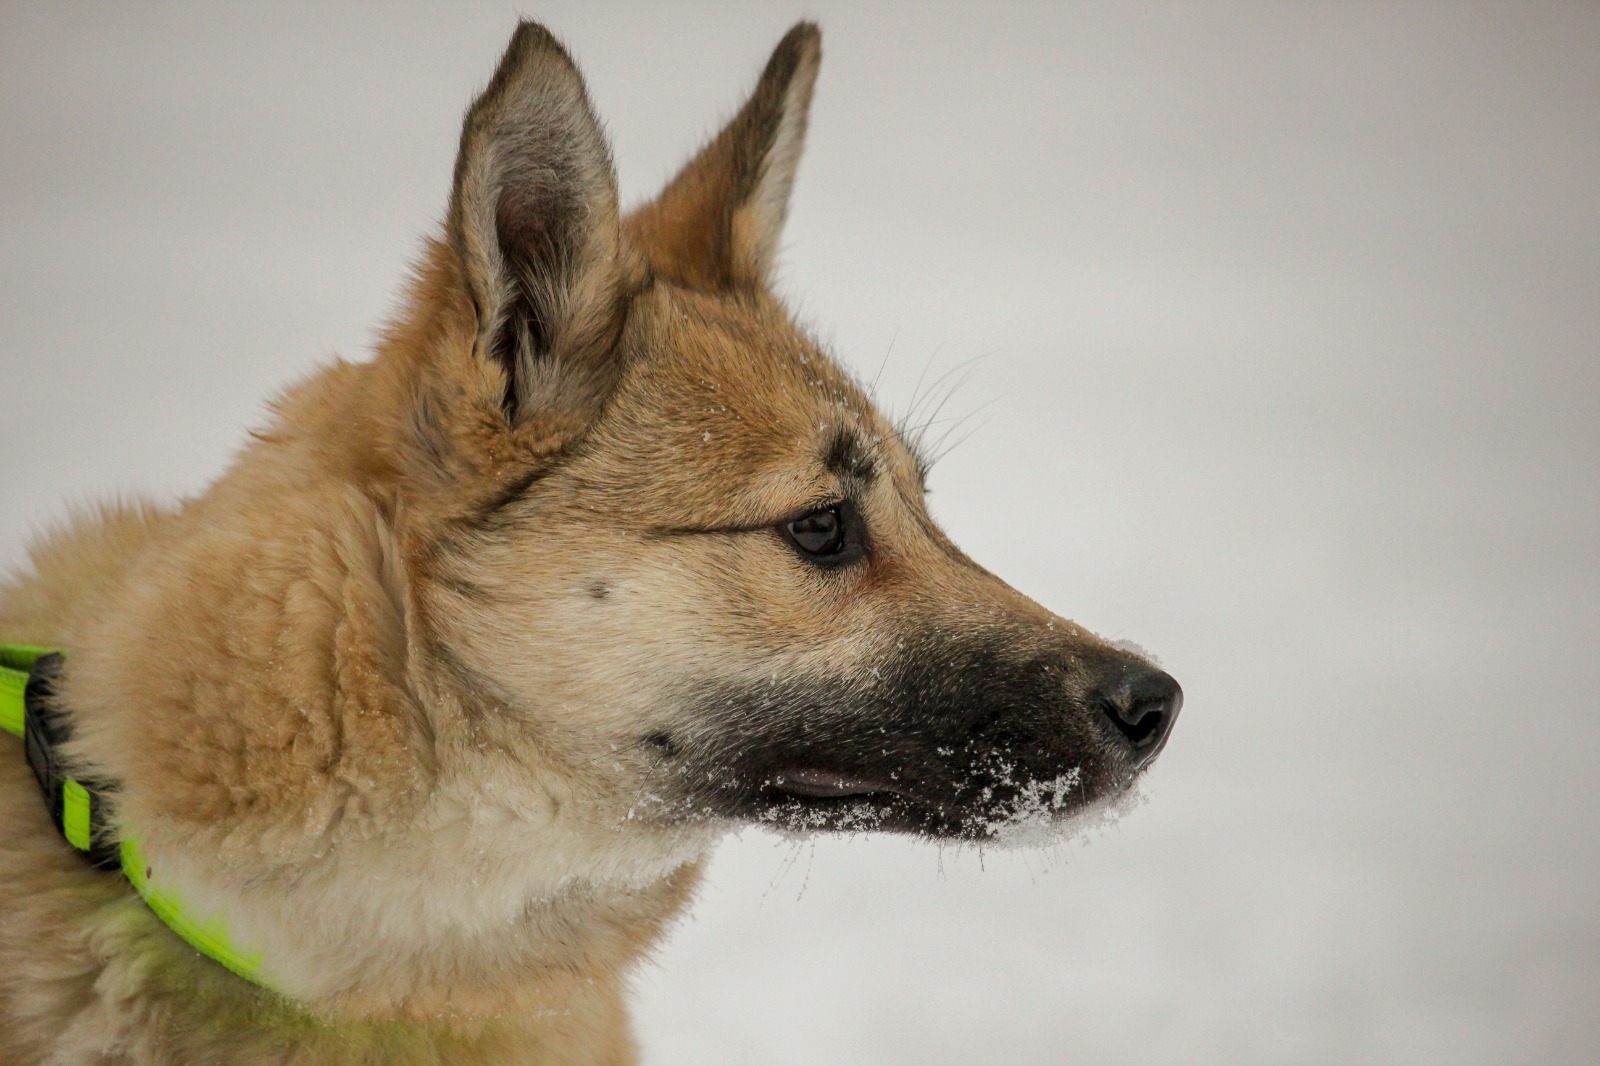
[(717, 224), (534, 226)]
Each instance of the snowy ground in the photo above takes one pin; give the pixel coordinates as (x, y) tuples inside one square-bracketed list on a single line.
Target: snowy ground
[(1286, 320)]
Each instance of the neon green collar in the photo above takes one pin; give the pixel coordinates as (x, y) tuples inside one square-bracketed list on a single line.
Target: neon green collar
[(78, 810)]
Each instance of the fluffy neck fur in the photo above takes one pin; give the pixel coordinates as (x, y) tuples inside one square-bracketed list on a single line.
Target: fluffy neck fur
[(294, 767)]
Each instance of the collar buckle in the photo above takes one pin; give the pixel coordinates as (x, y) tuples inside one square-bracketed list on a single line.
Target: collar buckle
[(77, 807)]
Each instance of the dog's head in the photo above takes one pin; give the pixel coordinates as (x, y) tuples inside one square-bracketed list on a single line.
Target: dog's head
[(667, 557)]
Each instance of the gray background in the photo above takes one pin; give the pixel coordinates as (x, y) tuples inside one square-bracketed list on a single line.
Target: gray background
[(1285, 319)]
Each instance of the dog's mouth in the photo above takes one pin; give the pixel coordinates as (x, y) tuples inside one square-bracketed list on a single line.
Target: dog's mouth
[(811, 783), (811, 799), (988, 800)]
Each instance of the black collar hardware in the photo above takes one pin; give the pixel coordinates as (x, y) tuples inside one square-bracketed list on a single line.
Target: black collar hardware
[(77, 806)]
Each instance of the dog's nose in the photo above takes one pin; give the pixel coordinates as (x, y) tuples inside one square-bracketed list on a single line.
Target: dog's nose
[(1142, 703)]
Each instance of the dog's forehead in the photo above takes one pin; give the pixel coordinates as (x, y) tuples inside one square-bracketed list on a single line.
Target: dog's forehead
[(729, 410), (747, 351)]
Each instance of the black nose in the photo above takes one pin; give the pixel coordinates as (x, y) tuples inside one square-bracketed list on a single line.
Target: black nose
[(1142, 703)]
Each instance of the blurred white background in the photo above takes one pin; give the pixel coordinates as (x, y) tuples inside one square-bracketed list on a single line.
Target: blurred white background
[(1285, 317)]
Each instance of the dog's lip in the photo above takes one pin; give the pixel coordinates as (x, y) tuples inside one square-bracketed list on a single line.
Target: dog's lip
[(808, 781)]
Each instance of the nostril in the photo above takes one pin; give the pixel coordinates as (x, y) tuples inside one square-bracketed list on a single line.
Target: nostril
[(1143, 709), (1139, 722)]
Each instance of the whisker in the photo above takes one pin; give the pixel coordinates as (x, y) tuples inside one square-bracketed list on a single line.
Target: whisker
[(964, 437), (918, 395), (916, 390), (944, 401), (873, 388)]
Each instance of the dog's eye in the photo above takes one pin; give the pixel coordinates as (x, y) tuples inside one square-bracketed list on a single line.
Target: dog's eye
[(819, 533), (829, 537)]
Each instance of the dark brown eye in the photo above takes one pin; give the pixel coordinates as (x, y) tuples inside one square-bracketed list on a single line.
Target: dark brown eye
[(818, 533)]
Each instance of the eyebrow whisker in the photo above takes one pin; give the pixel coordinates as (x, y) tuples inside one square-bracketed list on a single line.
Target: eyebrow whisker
[(873, 388), (944, 450)]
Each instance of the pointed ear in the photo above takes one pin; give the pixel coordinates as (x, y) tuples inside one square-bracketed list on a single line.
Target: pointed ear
[(534, 227), (717, 224)]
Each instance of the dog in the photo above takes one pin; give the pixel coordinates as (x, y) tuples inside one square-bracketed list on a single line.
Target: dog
[(411, 734)]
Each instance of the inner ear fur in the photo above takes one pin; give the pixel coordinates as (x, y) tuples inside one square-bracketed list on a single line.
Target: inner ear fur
[(717, 225), (534, 227)]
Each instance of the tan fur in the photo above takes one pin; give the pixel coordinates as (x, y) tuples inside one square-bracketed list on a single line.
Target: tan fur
[(374, 698)]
